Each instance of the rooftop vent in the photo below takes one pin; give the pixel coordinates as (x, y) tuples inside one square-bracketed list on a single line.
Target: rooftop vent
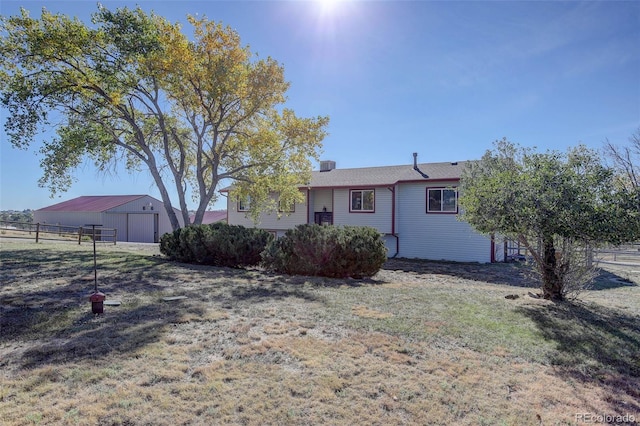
[(416, 168), (327, 166)]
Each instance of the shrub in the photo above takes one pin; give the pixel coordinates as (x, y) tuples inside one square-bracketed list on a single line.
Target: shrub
[(216, 244), (236, 246), (170, 246), (330, 251)]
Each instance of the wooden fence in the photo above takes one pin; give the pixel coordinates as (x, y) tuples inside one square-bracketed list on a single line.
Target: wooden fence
[(55, 232)]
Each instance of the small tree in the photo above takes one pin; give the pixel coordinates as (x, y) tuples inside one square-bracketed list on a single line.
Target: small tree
[(626, 161), (547, 201)]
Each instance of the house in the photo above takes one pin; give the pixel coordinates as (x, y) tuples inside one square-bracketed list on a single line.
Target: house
[(137, 218), (211, 216), (415, 207)]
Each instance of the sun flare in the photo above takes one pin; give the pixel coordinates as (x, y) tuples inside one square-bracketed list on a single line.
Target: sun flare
[(327, 7)]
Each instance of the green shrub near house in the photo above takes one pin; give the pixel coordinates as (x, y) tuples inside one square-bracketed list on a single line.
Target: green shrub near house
[(330, 251), (216, 244)]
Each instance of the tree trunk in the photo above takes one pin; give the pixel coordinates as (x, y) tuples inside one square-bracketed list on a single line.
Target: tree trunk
[(551, 281)]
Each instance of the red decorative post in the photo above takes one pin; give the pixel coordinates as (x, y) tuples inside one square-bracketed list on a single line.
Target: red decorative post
[(97, 302)]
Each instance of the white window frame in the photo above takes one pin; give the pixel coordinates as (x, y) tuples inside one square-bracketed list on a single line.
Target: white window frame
[(361, 209), (292, 209), (442, 204), (244, 206)]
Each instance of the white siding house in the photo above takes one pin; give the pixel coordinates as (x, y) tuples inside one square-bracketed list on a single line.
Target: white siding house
[(414, 207), (237, 215), (137, 218)]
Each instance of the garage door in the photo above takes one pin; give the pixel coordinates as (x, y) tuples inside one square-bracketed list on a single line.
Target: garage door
[(141, 228)]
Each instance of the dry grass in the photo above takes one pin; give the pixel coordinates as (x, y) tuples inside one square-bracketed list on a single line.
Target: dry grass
[(420, 343)]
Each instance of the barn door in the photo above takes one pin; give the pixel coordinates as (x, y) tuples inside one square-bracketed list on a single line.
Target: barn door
[(141, 228)]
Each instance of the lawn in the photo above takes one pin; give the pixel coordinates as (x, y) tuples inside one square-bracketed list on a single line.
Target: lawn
[(419, 343)]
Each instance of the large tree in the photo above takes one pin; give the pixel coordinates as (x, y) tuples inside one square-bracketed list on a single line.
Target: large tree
[(550, 202), (132, 88)]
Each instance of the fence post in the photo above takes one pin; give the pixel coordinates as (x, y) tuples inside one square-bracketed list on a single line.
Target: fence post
[(79, 235), (115, 235), (37, 231)]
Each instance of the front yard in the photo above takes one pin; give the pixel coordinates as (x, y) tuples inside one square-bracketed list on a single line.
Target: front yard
[(419, 343)]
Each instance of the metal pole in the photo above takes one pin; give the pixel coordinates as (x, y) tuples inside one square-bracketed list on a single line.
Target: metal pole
[(95, 266)]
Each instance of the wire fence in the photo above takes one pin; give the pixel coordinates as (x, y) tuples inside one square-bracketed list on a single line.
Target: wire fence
[(627, 254), (624, 254)]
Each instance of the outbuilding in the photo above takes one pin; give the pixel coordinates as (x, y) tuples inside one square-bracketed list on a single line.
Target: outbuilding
[(137, 218)]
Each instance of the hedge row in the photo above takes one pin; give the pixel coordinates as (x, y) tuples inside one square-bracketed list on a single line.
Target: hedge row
[(330, 251), (349, 251), (217, 244)]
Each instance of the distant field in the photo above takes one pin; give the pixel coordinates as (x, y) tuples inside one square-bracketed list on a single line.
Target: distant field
[(419, 343)]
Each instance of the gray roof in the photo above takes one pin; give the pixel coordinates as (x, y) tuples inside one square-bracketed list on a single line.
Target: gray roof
[(386, 175), (383, 175)]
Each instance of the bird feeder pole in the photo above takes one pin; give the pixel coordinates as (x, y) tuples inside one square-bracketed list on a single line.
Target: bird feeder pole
[(97, 298), (95, 265)]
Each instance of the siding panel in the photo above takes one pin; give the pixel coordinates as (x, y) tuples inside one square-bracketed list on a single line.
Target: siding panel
[(119, 222), (322, 198), (268, 221), (380, 219), (68, 218), (435, 236)]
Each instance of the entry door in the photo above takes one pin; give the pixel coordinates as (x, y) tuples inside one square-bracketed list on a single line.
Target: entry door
[(141, 228)]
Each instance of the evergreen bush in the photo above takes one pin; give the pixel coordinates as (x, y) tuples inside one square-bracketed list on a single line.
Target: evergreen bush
[(330, 251), (216, 244)]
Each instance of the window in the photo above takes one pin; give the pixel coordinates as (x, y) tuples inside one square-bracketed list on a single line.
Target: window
[(442, 200), (282, 207), (244, 205), (362, 200)]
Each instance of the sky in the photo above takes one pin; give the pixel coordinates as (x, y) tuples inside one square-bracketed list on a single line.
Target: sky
[(443, 79)]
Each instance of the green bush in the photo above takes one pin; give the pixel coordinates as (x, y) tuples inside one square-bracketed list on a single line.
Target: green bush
[(329, 251), (217, 244)]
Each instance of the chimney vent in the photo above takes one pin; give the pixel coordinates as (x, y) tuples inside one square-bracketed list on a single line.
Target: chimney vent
[(416, 168), (327, 165)]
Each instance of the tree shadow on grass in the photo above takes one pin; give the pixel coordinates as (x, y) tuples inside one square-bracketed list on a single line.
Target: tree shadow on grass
[(607, 280), (274, 292), (45, 313), (515, 274), (321, 281), (54, 333), (95, 338), (595, 345)]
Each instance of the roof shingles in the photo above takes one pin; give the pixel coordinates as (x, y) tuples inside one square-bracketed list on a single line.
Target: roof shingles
[(383, 175), (386, 175)]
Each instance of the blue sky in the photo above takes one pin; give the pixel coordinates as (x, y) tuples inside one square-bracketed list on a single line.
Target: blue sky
[(444, 79)]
